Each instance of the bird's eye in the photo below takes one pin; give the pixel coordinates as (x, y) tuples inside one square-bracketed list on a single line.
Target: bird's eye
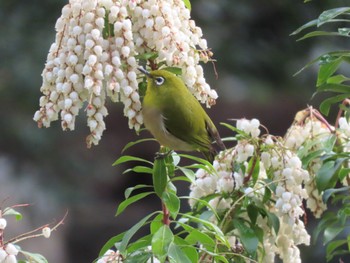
[(159, 81)]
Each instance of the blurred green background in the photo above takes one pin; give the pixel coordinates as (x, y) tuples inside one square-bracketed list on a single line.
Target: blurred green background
[(54, 171)]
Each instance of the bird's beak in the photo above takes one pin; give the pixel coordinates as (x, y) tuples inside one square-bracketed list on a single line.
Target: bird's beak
[(144, 71)]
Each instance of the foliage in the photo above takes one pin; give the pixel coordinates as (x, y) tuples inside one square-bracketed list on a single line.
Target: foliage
[(332, 78)]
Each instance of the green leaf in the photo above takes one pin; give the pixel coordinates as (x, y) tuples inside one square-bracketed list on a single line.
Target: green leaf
[(129, 190), (307, 25), (110, 243), (327, 69), (123, 205), (174, 70), (34, 257), (177, 255), (10, 211), (331, 232), (108, 29), (156, 223), (254, 168), (326, 177), (327, 103), (139, 257), (196, 236), (160, 176), (128, 158), (139, 169), (267, 195), (328, 15), (329, 192), (172, 202), (187, 4), (338, 79), (247, 236), (147, 56), (332, 87), (321, 33), (332, 246), (161, 241), (328, 219), (188, 173), (252, 213), (211, 226), (130, 144), (131, 232), (273, 221)]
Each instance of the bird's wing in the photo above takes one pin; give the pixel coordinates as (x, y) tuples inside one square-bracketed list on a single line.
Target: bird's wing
[(186, 127)]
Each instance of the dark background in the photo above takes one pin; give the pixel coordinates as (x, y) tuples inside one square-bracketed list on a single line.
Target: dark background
[(54, 171)]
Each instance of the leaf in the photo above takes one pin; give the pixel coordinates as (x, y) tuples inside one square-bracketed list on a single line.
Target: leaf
[(307, 25), (108, 29), (326, 176), (128, 158), (174, 70), (329, 192), (328, 15), (273, 221), (177, 255), (140, 256), (130, 144), (252, 213), (172, 202), (123, 205), (129, 234), (338, 79), (147, 56), (156, 223), (211, 226), (330, 233), (196, 236), (187, 4), (327, 103), (161, 241), (188, 173), (247, 236), (254, 168), (10, 211), (327, 69), (34, 257), (129, 190), (139, 169), (160, 176), (332, 87), (110, 243), (328, 219), (321, 33), (334, 245)]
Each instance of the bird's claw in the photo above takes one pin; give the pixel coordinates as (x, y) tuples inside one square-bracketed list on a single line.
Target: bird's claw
[(160, 155)]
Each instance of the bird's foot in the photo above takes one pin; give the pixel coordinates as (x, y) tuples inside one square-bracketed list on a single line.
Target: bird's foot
[(160, 155)]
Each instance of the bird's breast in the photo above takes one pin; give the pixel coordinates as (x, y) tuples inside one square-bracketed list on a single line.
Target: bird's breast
[(154, 122)]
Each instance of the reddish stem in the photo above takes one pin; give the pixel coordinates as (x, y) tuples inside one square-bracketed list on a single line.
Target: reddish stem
[(166, 216)]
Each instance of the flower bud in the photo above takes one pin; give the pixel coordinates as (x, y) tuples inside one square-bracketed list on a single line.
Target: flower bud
[(3, 224), (46, 232)]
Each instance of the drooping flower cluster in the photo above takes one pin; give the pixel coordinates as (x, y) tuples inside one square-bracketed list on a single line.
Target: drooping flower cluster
[(95, 56), (309, 134), (256, 165)]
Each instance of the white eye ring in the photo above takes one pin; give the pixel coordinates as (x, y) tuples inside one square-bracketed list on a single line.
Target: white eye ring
[(159, 81)]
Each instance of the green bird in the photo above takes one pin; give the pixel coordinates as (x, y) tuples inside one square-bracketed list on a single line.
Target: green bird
[(174, 116)]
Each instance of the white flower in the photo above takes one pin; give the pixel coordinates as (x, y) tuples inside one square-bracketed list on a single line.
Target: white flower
[(87, 61), (46, 232), (11, 249), (3, 223), (3, 254)]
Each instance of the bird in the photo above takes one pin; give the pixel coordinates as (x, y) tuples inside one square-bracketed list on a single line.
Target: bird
[(174, 116)]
